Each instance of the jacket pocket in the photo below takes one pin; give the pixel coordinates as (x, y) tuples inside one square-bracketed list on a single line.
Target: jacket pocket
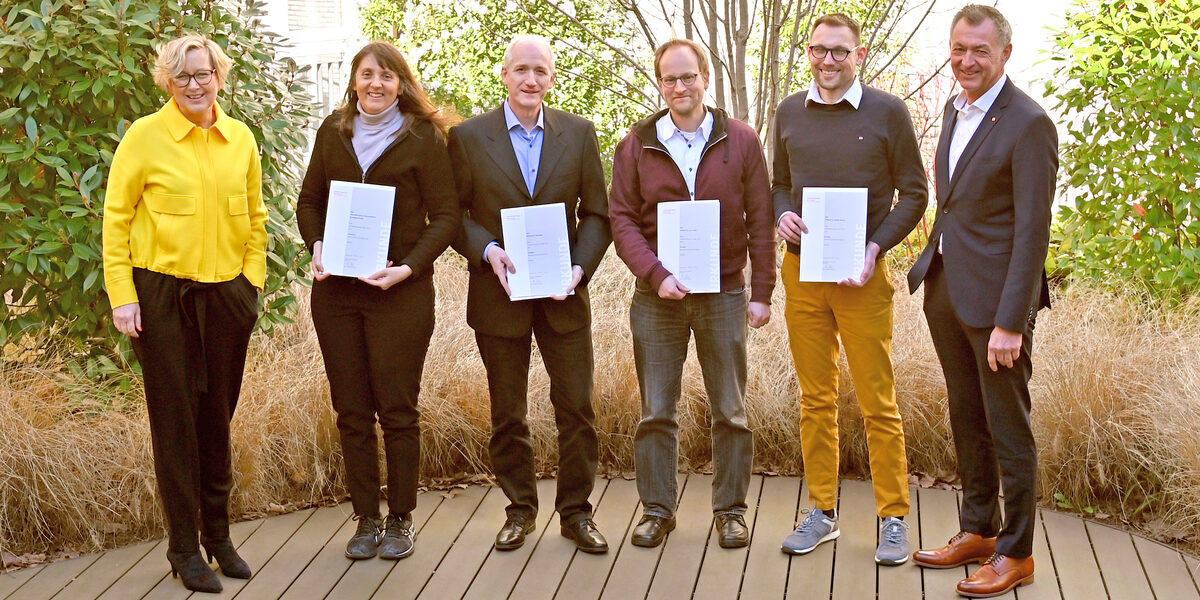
[(238, 205), (171, 204)]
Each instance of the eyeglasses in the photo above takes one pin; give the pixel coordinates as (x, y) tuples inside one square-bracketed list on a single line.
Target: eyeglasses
[(839, 54), (687, 79), (202, 77)]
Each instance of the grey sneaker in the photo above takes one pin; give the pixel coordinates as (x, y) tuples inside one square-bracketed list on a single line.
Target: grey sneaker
[(398, 537), (893, 543), (817, 527), (365, 542)]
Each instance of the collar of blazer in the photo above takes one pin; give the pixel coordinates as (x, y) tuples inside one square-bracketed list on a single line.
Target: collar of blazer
[(499, 148), (945, 184)]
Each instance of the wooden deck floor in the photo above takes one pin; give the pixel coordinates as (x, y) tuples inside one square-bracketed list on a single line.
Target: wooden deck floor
[(299, 555)]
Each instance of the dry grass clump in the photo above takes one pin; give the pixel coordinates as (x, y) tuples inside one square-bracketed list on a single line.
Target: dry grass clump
[(1116, 399)]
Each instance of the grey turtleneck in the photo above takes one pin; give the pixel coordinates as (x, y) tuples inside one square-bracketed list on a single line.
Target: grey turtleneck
[(373, 133)]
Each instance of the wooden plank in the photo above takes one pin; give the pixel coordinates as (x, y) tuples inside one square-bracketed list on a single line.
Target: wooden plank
[(433, 541), (330, 563), (474, 543), (904, 581), (11, 581), (142, 576), (261, 546), (107, 569), (809, 576), (170, 588), (766, 570), (721, 573), (854, 555), (634, 568), (1193, 565), (615, 513), (275, 576), (1078, 574), (938, 523), (541, 573), (360, 578), (1045, 582), (1118, 560), (1167, 571), (53, 578), (684, 548)]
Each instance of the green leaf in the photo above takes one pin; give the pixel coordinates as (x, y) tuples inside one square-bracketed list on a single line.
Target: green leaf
[(31, 128)]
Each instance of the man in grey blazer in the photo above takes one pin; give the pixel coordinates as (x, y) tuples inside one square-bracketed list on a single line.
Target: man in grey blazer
[(985, 280), (525, 153)]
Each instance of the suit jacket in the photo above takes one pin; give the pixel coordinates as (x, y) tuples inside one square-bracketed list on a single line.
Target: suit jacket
[(488, 179), (993, 215)]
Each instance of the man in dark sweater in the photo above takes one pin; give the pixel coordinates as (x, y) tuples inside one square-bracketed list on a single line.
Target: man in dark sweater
[(841, 133), (692, 152)]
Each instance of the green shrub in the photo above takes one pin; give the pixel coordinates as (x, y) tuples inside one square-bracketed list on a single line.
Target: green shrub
[(75, 74), (1128, 84)]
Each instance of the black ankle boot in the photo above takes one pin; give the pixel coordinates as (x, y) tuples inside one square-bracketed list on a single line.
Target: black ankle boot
[(192, 570), (232, 565)]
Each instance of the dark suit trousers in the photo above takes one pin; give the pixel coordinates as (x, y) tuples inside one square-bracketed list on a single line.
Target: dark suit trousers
[(568, 360), (374, 343), (193, 349), (989, 415)]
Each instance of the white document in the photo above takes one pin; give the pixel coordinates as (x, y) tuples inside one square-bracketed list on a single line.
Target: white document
[(835, 246), (689, 243), (358, 227), (535, 238)]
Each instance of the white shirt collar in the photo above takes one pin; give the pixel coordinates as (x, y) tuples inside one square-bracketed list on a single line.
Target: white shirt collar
[(511, 120), (984, 102), (853, 95), (666, 126)]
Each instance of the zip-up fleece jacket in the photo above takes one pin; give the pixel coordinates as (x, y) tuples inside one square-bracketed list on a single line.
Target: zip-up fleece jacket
[(732, 170)]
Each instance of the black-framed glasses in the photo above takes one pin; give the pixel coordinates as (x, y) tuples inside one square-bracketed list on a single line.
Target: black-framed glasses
[(202, 77), (839, 54), (687, 79)]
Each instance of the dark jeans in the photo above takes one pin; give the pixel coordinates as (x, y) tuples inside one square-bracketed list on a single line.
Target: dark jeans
[(661, 329), (568, 360), (193, 349), (989, 416), (374, 343)]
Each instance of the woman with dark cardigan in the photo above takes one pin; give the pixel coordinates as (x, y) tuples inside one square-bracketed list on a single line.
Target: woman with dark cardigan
[(374, 331)]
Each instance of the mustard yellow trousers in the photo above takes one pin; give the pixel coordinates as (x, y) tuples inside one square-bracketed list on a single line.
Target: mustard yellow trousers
[(818, 315)]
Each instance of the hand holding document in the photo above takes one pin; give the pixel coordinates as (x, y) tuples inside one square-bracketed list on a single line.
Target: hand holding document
[(535, 239), (358, 227), (834, 247), (689, 243)]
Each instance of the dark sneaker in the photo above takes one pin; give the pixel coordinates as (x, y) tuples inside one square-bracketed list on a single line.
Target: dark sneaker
[(398, 537), (365, 543)]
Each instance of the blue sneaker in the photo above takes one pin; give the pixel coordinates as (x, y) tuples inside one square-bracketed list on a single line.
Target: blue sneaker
[(893, 543), (817, 527)]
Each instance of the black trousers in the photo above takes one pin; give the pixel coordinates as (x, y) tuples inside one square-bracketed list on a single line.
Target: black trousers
[(193, 350), (568, 360), (989, 416), (374, 343)]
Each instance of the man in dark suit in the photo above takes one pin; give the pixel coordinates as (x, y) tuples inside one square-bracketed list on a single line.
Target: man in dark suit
[(985, 280), (520, 154)]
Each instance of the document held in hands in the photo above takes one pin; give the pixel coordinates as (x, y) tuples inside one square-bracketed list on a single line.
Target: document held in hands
[(535, 238), (358, 227), (835, 246), (689, 243)]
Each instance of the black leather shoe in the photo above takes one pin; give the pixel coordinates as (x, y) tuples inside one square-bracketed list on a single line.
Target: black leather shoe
[(652, 530), (365, 543), (227, 557), (195, 574), (586, 536), (512, 535), (732, 531)]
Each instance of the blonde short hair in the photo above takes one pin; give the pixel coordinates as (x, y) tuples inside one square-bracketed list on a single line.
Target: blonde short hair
[(173, 55), (522, 38)]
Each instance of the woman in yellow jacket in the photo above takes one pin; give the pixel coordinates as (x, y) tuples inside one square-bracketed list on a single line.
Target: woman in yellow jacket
[(184, 260)]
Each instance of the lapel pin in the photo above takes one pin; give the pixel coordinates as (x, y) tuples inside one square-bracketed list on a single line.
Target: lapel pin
[(993, 119)]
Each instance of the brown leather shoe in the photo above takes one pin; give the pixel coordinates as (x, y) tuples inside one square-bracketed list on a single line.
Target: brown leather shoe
[(997, 576), (963, 548)]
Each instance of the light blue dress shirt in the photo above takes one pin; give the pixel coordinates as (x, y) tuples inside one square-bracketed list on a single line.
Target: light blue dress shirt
[(685, 148), (527, 145)]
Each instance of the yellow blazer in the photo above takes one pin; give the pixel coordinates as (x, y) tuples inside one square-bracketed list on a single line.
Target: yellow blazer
[(184, 201)]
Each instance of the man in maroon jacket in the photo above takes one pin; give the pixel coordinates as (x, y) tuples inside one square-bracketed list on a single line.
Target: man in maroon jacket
[(692, 152)]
